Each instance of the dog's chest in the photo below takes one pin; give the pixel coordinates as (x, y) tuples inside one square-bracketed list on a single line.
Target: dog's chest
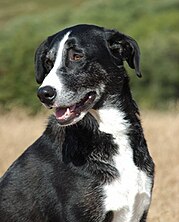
[(128, 196)]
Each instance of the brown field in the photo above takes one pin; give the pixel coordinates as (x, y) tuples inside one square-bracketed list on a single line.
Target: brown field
[(17, 131)]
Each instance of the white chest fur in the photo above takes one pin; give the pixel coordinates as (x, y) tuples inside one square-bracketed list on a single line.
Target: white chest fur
[(129, 195)]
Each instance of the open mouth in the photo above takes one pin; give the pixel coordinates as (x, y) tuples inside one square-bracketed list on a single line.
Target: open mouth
[(68, 115)]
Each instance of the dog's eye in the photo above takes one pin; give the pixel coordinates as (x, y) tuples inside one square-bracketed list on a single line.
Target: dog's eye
[(75, 56), (48, 64)]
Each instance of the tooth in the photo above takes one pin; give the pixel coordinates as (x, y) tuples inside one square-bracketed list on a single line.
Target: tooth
[(67, 113)]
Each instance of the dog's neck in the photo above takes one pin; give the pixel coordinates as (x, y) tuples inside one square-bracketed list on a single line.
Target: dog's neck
[(111, 121), (118, 112)]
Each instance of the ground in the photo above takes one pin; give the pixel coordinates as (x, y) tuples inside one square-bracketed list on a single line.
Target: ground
[(18, 131)]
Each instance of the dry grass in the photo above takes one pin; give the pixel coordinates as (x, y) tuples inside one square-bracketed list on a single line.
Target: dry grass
[(17, 131)]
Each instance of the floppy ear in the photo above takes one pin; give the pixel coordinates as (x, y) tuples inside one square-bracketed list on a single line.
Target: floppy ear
[(126, 48), (40, 55)]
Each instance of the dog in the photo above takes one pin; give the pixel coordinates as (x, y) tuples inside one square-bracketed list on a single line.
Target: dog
[(92, 163)]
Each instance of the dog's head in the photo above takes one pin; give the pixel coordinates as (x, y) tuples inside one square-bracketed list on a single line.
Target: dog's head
[(76, 66)]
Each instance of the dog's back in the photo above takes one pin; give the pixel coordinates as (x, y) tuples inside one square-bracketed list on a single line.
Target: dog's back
[(92, 162)]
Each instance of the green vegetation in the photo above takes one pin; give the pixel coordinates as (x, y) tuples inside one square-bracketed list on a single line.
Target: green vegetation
[(153, 23)]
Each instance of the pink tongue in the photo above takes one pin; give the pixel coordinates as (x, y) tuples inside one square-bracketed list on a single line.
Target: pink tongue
[(60, 112), (64, 113)]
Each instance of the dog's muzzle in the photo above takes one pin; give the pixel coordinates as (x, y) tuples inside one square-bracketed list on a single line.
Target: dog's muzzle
[(71, 112)]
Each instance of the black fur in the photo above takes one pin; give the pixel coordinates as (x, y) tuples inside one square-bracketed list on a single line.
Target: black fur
[(60, 177)]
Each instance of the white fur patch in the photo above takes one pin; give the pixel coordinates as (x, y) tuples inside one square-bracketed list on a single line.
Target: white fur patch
[(52, 79), (129, 195)]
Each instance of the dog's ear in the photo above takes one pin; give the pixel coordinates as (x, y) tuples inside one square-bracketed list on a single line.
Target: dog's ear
[(40, 58), (40, 55), (125, 47)]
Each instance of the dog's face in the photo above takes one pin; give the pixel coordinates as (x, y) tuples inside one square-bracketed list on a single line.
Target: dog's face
[(76, 66)]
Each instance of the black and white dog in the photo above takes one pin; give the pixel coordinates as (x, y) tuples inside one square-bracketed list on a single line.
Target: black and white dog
[(92, 163)]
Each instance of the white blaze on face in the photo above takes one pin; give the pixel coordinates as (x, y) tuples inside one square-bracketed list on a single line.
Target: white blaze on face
[(52, 79)]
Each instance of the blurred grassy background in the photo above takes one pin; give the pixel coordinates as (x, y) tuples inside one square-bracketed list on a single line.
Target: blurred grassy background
[(153, 23)]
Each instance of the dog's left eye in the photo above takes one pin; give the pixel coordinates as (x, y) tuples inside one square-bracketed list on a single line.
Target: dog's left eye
[(74, 55)]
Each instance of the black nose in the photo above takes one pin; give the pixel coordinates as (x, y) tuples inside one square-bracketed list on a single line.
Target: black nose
[(46, 94)]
